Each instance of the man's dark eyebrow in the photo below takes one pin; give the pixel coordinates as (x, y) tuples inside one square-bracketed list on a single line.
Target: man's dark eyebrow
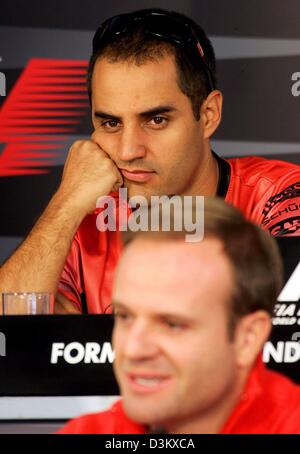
[(107, 116), (117, 304), (157, 111), (147, 113)]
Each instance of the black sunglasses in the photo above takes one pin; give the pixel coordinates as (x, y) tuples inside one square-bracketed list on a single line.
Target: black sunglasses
[(155, 24)]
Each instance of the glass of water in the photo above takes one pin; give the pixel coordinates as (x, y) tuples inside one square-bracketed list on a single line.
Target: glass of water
[(16, 303)]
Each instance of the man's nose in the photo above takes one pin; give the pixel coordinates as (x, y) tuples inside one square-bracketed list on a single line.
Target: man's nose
[(131, 144), (140, 344)]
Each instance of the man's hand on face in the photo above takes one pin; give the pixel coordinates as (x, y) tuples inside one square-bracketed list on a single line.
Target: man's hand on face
[(88, 173)]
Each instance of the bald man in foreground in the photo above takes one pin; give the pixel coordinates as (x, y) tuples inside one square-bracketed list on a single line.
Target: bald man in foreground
[(191, 321)]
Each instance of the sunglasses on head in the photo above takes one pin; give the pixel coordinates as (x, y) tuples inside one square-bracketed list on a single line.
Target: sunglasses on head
[(155, 24)]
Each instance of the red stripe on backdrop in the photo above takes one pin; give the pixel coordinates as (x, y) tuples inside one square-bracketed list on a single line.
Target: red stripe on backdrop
[(12, 138), (49, 105), (38, 121), (44, 84), (37, 80), (60, 72), (51, 96), (54, 88), (21, 113)]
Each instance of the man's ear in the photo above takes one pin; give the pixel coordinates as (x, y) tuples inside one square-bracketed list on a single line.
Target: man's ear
[(211, 113), (251, 333)]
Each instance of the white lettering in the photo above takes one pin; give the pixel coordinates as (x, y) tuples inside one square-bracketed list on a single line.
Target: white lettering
[(153, 443), (289, 310), (296, 86), (287, 352), (166, 203), (74, 359), (2, 84), (270, 351), (138, 220), (92, 350), (57, 350), (196, 225), (107, 353), (2, 344), (106, 219), (75, 352), (165, 443), (124, 444), (291, 352)]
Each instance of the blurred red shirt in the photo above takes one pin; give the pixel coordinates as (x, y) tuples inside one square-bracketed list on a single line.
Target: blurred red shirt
[(270, 404)]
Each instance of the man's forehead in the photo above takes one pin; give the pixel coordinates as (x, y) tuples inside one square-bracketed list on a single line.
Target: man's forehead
[(173, 268), (166, 60), (148, 84), (209, 249)]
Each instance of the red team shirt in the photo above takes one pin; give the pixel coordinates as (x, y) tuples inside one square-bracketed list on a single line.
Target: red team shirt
[(270, 404), (266, 191)]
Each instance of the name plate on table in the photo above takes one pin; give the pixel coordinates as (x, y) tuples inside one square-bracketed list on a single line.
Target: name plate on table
[(56, 355)]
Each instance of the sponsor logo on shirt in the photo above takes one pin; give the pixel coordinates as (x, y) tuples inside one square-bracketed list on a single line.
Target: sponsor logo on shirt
[(290, 192), (288, 209), (286, 227)]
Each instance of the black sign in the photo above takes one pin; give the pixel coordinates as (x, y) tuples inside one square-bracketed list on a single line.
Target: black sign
[(56, 355)]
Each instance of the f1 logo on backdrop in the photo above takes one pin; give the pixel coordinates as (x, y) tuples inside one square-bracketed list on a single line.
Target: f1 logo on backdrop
[(286, 314), (45, 107), (291, 290)]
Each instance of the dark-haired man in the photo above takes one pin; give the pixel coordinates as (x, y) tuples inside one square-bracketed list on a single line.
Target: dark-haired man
[(155, 105), (189, 330)]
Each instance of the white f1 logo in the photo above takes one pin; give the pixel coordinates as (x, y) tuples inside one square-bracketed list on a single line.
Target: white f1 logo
[(291, 290)]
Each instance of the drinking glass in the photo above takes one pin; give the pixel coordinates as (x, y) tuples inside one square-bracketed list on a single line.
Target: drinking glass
[(16, 303)]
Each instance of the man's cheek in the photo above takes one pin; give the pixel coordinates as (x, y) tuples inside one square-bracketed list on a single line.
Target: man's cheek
[(107, 143)]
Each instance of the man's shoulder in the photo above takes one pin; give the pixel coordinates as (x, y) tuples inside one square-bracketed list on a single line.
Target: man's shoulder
[(114, 420), (251, 167), (281, 386), (285, 402), (267, 191), (93, 423), (270, 404)]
